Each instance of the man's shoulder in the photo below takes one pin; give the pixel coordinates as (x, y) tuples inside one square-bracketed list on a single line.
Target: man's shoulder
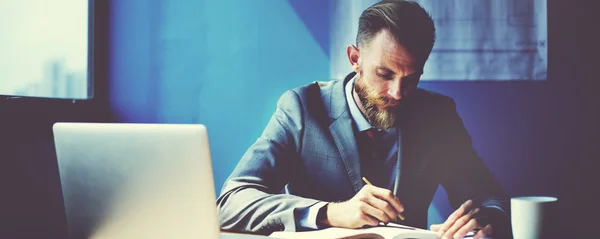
[(314, 93), (431, 97), (315, 88), (314, 98), (424, 102), (429, 94)]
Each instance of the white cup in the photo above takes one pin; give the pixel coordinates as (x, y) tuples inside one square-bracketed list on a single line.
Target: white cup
[(531, 217)]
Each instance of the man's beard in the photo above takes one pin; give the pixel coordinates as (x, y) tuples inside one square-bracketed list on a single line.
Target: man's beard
[(384, 118)]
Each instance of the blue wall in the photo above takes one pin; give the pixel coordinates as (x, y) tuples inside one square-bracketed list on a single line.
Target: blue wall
[(217, 63), (225, 63)]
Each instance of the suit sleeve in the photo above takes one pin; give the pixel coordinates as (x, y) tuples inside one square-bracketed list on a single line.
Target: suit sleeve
[(463, 173), (251, 198)]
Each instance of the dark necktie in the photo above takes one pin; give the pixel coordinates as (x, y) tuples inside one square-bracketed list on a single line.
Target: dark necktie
[(372, 136), (372, 162)]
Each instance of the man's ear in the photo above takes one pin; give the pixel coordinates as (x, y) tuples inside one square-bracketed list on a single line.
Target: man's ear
[(353, 56)]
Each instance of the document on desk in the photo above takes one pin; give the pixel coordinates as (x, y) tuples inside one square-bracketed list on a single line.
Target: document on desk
[(390, 231)]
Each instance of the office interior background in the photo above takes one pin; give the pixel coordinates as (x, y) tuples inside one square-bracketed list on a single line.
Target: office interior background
[(225, 63)]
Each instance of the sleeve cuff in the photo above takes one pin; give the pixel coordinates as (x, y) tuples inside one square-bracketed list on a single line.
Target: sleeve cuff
[(498, 218), (307, 218), (497, 207)]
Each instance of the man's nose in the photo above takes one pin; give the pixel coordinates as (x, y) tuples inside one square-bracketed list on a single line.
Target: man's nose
[(395, 89)]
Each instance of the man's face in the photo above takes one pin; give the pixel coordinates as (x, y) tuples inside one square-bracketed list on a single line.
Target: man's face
[(387, 74)]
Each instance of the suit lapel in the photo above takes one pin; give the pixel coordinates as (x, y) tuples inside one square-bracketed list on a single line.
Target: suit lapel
[(343, 135), (342, 130)]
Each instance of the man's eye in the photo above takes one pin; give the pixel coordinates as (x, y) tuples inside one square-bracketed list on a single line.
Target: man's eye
[(385, 76)]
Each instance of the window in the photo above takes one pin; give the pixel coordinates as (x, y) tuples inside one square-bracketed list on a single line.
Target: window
[(45, 49)]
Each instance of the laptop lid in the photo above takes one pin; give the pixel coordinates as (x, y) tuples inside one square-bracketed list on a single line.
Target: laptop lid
[(136, 180)]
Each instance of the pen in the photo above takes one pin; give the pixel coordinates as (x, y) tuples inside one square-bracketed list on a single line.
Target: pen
[(367, 182)]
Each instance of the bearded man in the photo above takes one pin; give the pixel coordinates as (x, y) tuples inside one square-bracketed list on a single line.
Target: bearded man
[(306, 170)]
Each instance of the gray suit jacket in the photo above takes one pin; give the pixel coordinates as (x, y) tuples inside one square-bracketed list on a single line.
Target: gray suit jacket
[(308, 153)]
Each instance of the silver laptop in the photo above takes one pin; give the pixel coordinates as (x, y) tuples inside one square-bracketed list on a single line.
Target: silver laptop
[(136, 180)]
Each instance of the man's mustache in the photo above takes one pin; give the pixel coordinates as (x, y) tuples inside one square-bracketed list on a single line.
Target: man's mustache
[(386, 102)]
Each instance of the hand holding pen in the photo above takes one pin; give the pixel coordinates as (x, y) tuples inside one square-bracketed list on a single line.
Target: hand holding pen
[(400, 216), (370, 206)]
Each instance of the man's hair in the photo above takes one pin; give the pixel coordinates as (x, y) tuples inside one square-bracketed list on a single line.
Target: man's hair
[(408, 22)]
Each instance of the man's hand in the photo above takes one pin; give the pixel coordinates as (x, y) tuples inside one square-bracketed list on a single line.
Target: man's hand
[(369, 206), (462, 222)]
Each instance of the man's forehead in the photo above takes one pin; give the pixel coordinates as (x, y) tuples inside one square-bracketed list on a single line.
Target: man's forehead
[(388, 53), (396, 63), (401, 70)]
